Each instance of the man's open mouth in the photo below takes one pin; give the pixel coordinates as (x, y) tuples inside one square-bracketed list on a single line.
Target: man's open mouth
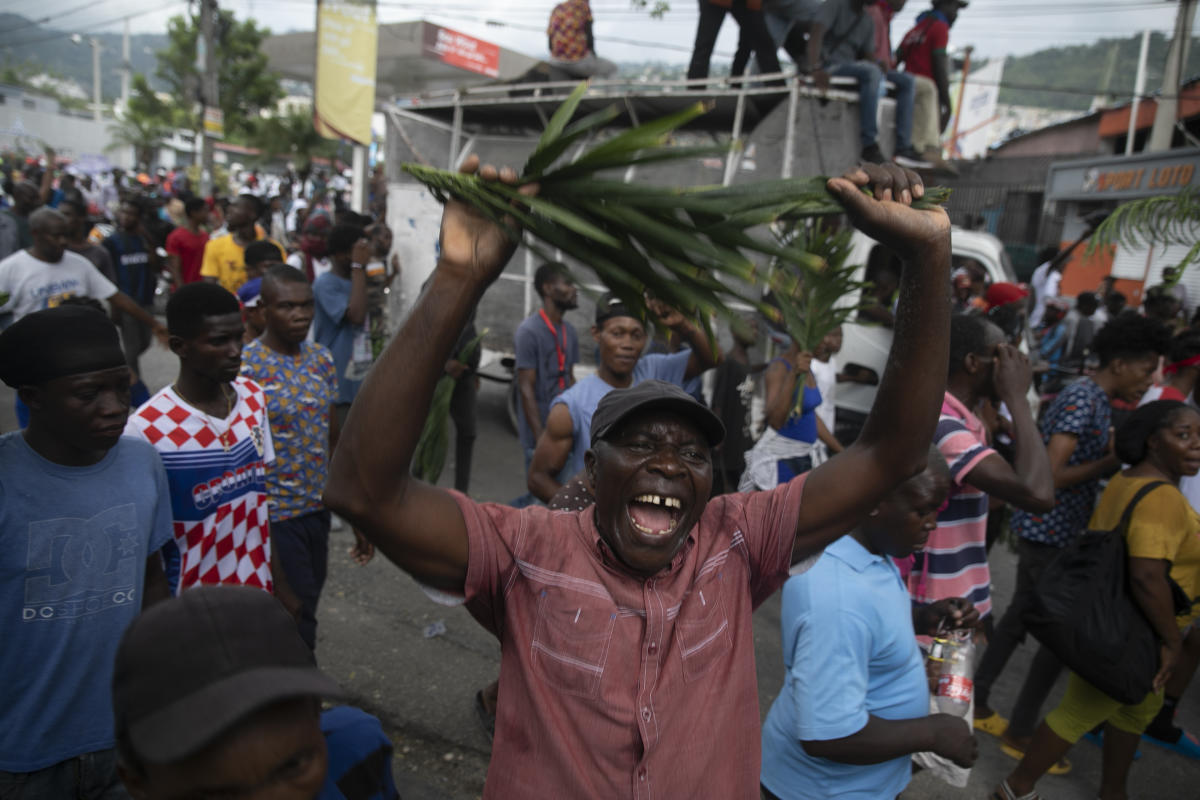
[(655, 514)]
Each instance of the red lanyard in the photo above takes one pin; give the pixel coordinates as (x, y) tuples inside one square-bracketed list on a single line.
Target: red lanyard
[(559, 349)]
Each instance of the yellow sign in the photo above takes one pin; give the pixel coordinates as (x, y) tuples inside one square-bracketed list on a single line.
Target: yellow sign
[(214, 122), (347, 39)]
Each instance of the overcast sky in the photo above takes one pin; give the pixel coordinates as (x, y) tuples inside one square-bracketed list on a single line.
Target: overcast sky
[(993, 27)]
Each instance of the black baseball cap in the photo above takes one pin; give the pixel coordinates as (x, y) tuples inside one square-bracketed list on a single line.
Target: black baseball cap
[(610, 305), (190, 667), (654, 395)]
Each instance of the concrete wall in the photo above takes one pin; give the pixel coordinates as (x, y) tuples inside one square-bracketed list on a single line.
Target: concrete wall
[(71, 137)]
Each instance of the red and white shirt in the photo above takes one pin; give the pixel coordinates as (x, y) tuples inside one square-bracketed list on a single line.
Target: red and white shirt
[(216, 469)]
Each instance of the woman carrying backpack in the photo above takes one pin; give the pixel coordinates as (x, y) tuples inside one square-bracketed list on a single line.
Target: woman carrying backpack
[(1162, 442)]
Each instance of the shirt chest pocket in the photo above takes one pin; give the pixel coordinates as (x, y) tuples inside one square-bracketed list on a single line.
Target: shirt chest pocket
[(702, 628), (571, 640)]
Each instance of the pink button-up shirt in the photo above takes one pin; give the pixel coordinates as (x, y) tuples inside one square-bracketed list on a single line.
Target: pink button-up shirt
[(618, 686)]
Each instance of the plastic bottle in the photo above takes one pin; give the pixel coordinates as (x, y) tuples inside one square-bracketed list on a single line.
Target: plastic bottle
[(956, 680)]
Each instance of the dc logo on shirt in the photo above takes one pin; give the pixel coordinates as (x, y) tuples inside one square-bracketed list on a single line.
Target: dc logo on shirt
[(77, 567)]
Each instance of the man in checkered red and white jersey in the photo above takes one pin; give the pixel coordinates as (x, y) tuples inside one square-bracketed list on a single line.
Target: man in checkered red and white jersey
[(210, 427)]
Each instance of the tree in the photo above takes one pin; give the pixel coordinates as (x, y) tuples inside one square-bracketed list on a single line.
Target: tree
[(1161, 220), (144, 135), (294, 136), (244, 84)]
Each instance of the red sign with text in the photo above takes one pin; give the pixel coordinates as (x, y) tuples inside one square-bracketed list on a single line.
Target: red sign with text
[(461, 50)]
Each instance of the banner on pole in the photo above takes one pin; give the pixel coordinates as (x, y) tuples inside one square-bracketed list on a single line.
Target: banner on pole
[(214, 122), (347, 41)]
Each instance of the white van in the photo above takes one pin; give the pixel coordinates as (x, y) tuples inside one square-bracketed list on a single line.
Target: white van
[(867, 345)]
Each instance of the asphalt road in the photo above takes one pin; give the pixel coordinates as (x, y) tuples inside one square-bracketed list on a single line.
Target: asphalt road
[(372, 638)]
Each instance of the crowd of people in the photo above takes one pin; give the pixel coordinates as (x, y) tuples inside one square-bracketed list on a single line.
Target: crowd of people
[(654, 525), (164, 553)]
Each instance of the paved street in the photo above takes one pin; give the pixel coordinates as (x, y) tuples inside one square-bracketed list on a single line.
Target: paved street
[(372, 639)]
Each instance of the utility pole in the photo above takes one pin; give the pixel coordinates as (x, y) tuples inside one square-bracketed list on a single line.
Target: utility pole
[(1168, 102), (1139, 88), (97, 107), (208, 89)]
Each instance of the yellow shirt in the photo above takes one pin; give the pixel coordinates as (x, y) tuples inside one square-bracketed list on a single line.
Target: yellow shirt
[(1164, 526), (225, 260)]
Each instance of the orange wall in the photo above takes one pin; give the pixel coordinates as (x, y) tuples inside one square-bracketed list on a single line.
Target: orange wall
[(1083, 274)]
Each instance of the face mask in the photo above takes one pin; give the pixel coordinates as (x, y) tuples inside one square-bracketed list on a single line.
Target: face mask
[(315, 246)]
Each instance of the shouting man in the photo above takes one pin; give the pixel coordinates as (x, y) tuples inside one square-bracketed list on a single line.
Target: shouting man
[(627, 661)]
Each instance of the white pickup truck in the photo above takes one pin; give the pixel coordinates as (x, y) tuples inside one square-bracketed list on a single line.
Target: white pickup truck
[(868, 345)]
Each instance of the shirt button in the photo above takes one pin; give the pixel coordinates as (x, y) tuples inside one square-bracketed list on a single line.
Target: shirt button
[(653, 648), (646, 713), (641, 774)]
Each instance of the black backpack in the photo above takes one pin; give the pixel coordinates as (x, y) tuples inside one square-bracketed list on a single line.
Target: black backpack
[(1084, 612)]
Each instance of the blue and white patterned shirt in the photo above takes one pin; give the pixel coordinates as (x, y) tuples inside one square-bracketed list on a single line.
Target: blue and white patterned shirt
[(1082, 410)]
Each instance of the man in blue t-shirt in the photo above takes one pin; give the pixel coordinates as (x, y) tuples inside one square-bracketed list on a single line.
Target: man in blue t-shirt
[(1076, 430), (85, 512), (547, 348), (620, 338), (855, 703), (340, 320)]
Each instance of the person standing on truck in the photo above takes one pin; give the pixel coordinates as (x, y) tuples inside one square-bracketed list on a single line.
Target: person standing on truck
[(754, 36), (923, 53), (572, 45)]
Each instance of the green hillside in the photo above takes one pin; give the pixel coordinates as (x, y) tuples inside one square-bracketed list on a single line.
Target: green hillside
[(1107, 67), (31, 49)]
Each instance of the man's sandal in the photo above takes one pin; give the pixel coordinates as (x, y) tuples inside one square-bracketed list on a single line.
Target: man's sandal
[(1004, 793), (1061, 767)]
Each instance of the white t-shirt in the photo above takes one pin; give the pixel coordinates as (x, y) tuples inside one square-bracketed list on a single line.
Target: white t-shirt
[(1045, 285), (28, 284), (320, 265), (825, 374)]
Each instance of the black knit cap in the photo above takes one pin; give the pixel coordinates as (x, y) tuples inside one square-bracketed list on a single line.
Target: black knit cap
[(56, 342), (190, 667)]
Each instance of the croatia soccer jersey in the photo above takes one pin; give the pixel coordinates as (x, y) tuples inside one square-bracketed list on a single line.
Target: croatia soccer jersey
[(216, 469)]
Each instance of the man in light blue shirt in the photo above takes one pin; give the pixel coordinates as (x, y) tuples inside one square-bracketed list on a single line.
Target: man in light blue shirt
[(855, 701), (620, 337)]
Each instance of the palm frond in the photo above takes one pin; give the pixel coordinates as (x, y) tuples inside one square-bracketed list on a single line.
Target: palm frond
[(703, 250), (1162, 220)]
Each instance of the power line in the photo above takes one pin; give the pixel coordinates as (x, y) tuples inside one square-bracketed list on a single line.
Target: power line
[(94, 25), (49, 17)]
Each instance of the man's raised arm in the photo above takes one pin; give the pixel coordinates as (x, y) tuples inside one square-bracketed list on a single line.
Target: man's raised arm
[(415, 525), (894, 443)]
